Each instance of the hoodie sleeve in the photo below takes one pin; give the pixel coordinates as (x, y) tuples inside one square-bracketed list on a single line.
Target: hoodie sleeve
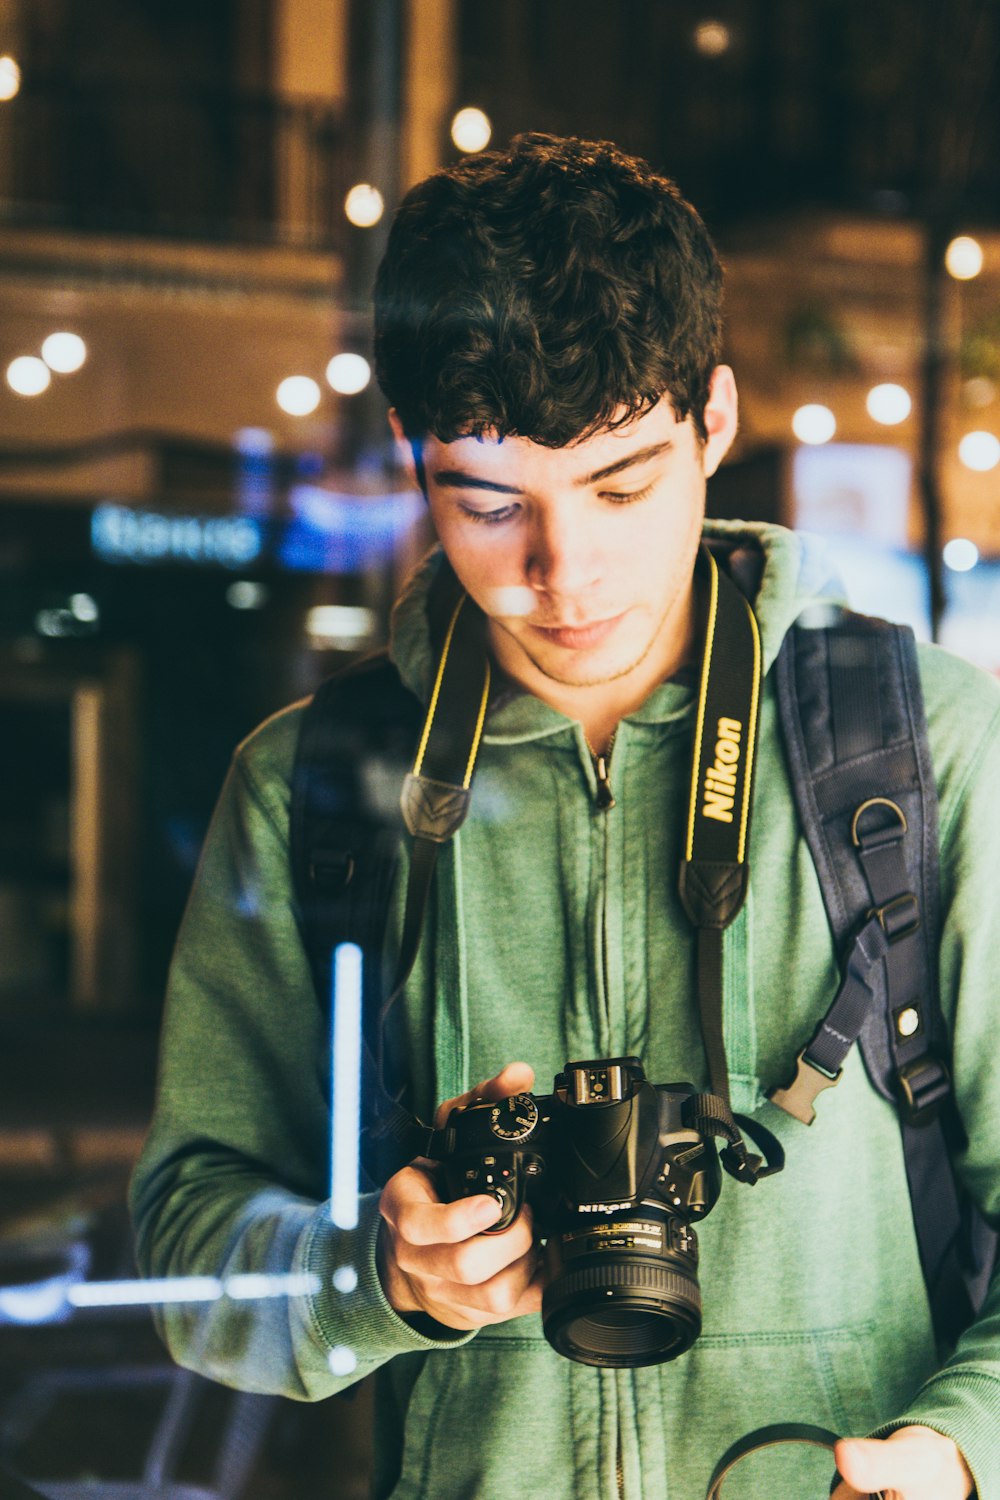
[(232, 1184), (963, 1399)]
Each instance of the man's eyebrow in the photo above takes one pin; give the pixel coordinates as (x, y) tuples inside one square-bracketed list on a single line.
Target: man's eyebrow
[(458, 479), (639, 457)]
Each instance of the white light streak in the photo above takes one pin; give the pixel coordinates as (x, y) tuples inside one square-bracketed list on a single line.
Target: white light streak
[(345, 1112), (339, 624), (155, 1292), (255, 1285)]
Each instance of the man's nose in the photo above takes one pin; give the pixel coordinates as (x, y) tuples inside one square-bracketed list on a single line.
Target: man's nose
[(562, 558)]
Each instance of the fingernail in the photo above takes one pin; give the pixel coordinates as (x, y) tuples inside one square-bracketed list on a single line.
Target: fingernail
[(488, 1211)]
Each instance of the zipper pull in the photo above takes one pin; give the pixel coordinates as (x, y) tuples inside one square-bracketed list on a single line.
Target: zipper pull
[(605, 796)]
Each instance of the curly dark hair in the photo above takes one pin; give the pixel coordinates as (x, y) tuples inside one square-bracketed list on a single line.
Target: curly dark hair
[(548, 291)]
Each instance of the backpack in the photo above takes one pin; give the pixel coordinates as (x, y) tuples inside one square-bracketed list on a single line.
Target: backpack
[(855, 740)]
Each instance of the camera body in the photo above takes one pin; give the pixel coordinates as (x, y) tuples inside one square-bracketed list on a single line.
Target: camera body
[(616, 1176)]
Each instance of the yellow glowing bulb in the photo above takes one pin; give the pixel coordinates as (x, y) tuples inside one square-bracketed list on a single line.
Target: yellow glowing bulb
[(364, 205), (10, 79), (471, 130), (712, 38), (964, 258)]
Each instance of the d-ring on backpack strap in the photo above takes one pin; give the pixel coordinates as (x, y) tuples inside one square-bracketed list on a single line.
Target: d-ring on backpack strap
[(856, 740)]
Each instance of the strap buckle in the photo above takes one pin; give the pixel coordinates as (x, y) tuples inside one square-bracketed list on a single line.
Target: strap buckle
[(899, 918), (923, 1086), (800, 1096)]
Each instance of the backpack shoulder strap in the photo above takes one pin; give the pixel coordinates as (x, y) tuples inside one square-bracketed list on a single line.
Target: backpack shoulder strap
[(855, 736)]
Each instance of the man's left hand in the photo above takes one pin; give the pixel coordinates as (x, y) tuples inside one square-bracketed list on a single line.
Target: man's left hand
[(913, 1463)]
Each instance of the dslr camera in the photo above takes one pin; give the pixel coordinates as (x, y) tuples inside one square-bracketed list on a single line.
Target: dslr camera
[(617, 1171)]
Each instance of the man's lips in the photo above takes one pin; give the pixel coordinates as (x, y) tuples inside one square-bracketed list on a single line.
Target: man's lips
[(578, 637)]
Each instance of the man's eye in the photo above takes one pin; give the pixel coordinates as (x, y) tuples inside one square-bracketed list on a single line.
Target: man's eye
[(489, 517), (626, 498)]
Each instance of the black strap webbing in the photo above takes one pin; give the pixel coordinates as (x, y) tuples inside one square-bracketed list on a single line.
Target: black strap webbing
[(852, 718)]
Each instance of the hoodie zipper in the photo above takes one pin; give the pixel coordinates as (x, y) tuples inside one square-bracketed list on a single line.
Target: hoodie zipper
[(605, 800), (602, 773)]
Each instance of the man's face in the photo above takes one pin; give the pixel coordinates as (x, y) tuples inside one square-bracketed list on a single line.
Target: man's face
[(582, 556)]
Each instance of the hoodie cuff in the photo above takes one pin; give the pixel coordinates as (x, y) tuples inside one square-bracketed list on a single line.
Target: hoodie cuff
[(348, 1307), (964, 1406)]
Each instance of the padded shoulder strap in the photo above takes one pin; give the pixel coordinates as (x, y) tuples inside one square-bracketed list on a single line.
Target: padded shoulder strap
[(853, 722), (856, 740)]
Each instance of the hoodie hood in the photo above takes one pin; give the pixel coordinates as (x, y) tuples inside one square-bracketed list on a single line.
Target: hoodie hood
[(791, 574)]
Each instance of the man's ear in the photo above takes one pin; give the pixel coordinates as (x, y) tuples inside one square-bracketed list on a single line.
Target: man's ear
[(409, 454), (404, 452), (721, 418)]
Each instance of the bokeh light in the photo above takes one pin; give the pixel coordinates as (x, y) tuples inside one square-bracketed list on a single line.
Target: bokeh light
[(964, 258), (712, 38), (888, 404), (10, 78), (64, 352), (471, 130), (980, 451), (348, 374), (298, 395), (28, 375), (364, 205), (814, 423), (960, 555)]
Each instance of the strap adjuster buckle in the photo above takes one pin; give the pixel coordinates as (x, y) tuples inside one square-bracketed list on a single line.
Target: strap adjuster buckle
[(923, 1086), (899, 918)]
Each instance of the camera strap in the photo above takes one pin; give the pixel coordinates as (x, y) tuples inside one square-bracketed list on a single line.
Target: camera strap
[(715, 869), (766, 1437)]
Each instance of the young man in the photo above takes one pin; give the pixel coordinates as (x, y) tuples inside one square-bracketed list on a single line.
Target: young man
[(548, 338)]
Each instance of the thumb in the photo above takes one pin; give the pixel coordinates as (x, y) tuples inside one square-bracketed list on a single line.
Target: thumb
[(514, 1078), (915, 1462), (862, 1462)]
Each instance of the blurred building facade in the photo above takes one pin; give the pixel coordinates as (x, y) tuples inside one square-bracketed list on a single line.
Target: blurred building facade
[(173, 181)]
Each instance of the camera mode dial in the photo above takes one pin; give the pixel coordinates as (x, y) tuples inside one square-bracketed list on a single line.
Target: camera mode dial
[(514, 1119)]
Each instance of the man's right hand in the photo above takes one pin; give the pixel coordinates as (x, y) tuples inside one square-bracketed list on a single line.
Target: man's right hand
[(434, 1257)]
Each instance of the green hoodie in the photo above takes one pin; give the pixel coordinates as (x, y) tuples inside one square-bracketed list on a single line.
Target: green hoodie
[(556, 933)]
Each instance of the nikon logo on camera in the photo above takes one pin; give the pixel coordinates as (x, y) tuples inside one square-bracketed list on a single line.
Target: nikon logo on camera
[(719, 786)]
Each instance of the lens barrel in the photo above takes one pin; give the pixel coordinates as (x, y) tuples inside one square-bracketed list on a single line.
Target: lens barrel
[(623, 1291)]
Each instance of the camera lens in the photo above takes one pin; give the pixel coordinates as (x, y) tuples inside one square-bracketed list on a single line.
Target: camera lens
[(623, 1292)]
